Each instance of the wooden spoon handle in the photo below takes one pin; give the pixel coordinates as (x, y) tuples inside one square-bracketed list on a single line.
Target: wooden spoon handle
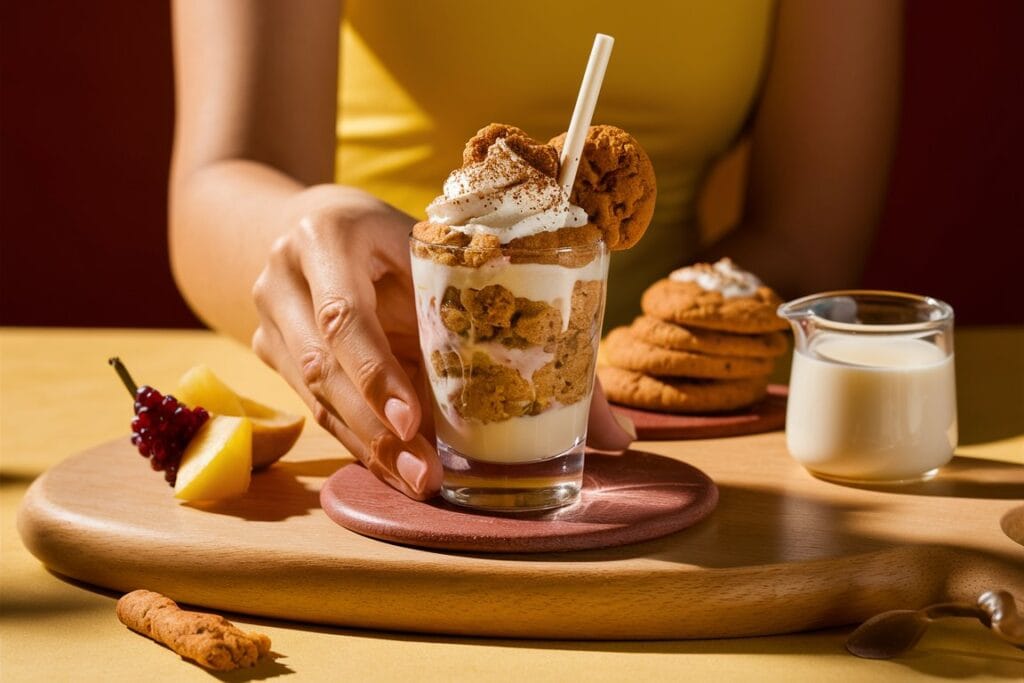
[(955, 609)]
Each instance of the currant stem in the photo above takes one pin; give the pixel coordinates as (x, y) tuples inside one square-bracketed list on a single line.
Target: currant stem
[(123, 373)]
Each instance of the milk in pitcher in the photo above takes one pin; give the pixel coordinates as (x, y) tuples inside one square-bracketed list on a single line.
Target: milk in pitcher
[(864, 408)]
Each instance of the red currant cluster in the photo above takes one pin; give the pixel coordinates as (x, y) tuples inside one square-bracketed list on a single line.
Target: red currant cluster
[(162, 427)]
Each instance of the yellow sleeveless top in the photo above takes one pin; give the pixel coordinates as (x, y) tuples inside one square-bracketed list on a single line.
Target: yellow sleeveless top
[(417, 79)]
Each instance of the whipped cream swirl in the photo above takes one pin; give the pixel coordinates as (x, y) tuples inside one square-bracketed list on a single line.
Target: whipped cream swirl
[(504, 196), (724, 277)]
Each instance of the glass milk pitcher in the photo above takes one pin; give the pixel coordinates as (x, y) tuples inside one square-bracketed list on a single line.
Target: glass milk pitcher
[(872, 394)]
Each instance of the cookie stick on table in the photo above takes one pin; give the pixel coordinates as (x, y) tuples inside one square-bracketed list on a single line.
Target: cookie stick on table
[(583, 112)]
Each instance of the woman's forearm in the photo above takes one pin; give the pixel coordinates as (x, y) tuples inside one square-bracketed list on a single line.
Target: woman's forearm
[(795, 262), (254, 135), (224, 217), (823, 139), (224, 220)]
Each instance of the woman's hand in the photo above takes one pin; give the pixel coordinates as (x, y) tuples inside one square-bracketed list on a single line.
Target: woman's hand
[(337, 320)]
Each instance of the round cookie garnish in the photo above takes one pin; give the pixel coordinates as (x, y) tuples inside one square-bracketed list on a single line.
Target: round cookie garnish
[(615, 185), (671, 336), (623, 350), (687, 303), (635, 389)]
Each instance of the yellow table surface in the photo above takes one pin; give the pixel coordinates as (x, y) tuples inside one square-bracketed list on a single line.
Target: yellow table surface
[(58, 396)]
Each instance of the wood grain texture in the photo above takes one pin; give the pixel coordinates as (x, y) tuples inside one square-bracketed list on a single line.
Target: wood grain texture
[(794, 552), (628, 498), (767, 415)]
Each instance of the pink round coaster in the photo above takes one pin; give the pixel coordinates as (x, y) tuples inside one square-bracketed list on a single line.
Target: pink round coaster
[(633, 497), (766, 416)]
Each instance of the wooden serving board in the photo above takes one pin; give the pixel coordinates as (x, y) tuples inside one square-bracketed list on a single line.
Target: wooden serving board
[(782, 552)]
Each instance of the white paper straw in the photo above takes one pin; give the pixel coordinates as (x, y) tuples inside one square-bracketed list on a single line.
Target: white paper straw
[(586, 101)]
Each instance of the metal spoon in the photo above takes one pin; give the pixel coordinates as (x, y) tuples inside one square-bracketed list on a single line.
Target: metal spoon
[(891, 634)]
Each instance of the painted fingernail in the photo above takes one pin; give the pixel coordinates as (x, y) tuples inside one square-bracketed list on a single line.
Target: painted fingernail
[(412, 470), (626, 424), (400, 416)]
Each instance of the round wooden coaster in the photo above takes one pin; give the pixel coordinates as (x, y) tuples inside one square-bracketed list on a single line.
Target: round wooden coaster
[(766, 416), (633, 497)]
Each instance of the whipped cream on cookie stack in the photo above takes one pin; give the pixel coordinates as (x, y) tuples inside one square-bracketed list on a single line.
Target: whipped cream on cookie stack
[(706, 343), (509, 276)]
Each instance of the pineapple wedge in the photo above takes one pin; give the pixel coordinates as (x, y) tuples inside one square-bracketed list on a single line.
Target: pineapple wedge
[(218, 461), (274, 432)]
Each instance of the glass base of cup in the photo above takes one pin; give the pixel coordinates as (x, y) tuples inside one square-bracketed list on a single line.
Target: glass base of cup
[(853, 481), (512, 487)]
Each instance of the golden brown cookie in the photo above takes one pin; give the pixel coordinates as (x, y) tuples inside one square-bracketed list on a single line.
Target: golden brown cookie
[(671, 336), (535, 323), (543, 157), (625, 351), (493, 323), (614, 184), (493, 305), (453, 248), (587, 298), (489, 391), (493, 313), (689, 304), (449, 247), (567, 378), (679, 396)]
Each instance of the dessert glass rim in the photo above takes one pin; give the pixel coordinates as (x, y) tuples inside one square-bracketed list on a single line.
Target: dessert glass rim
[(504, 248)]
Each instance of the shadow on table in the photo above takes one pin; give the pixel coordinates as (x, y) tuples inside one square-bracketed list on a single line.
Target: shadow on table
[(963, 477), (756, 526), (267, 668), (278, 492), (12, 478), (750, 527), (976, 651)]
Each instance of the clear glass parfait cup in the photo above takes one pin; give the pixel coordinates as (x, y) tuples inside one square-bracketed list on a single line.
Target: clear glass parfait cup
[(510, 339)]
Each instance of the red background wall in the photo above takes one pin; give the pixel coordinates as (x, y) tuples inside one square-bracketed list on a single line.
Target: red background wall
[(954, 224), (86, 118)]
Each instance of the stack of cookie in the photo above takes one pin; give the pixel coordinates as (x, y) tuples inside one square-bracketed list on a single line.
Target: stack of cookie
[(706, 343)]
